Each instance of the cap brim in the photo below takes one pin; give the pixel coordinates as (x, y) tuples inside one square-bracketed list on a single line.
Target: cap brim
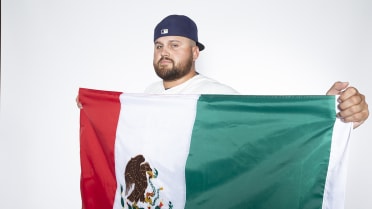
[(200, 45)]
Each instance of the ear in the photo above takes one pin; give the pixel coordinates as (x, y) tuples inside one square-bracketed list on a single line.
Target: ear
[(195, 52)]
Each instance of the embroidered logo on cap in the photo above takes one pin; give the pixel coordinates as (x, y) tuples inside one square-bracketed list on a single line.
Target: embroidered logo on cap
[(164, 31)]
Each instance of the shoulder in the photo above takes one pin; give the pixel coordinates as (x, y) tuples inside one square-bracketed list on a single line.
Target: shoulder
[(205, 85)]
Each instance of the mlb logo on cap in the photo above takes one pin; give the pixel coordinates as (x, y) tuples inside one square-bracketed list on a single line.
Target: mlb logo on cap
[(178, 25), (164, 31)]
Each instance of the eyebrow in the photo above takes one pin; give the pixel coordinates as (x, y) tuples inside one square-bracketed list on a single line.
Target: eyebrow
[(170, 41), (158, 42), (174, 41)]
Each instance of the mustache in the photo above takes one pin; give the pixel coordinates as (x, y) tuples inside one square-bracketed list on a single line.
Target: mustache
[(165, 58)]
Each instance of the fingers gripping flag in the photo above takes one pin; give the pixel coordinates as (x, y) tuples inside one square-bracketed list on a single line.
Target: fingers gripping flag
[(211, 151)]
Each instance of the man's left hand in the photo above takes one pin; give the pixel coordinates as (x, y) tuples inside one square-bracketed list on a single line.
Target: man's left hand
[(352, 104)]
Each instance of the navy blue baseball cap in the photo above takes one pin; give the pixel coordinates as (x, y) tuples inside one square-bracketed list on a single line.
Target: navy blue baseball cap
[(178, 25)]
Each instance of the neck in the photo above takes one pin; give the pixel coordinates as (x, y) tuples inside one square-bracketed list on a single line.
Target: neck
[(171, 84)]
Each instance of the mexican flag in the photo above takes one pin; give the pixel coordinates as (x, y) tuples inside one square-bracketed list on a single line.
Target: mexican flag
[(211, 151)]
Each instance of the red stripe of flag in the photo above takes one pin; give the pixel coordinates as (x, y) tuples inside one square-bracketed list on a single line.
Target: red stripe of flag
[(98, 182)]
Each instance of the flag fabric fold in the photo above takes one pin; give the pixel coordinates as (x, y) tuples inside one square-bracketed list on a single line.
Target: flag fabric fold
[(211, 151)]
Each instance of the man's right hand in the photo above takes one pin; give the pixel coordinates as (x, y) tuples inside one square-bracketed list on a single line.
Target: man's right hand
[(80, 106)]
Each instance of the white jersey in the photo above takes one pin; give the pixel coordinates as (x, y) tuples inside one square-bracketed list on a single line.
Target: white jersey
[(198, 84)]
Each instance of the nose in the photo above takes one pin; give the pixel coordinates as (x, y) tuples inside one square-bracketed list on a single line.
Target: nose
[(164, 52)]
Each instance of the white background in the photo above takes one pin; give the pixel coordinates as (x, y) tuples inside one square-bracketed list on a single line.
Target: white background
[(51, 48)]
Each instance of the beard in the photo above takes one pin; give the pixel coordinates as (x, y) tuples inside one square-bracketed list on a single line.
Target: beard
[(173, 72)]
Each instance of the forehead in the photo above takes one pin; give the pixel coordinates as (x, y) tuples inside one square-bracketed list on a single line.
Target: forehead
[(166, 39)]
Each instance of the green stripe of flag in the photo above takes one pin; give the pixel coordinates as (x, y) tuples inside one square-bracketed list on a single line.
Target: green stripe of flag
[(259, 152)]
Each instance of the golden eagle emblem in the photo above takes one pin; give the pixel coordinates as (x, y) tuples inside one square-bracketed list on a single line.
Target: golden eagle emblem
[(140, 190), (136, 179)]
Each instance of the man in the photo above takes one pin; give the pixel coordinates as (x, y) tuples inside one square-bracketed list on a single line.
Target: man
[(177, 48), (175, 52)]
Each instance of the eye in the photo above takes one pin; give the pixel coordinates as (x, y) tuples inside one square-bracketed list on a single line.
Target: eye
[(158, 46), (175, 45)]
